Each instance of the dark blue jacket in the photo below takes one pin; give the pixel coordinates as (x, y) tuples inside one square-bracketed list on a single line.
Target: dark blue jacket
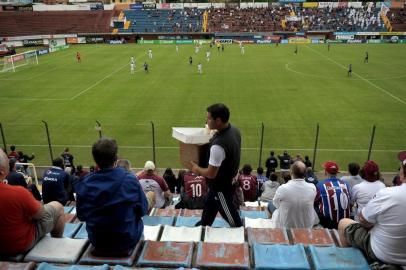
[(54, 184), (112, 203)]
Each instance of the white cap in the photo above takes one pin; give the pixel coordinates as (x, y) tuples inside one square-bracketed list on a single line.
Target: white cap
[(149, 166)]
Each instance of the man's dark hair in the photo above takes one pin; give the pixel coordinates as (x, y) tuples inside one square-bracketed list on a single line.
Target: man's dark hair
[(260, 170), (272, 153), (246, 169), (219, 110), (104, 152), (58, 162), (273, 177), (353, 168), (11, 164), (13, 147)]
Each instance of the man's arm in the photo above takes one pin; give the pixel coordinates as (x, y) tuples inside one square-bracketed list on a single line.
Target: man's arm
[(40, 213), (364, 223), (209, 172)]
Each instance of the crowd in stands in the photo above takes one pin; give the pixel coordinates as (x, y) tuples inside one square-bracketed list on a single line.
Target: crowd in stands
[(352, 204)]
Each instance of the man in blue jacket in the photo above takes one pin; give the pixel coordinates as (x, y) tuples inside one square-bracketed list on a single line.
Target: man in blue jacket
[(111, 202)]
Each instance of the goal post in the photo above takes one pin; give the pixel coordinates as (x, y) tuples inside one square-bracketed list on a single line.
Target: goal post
[(12, 62)]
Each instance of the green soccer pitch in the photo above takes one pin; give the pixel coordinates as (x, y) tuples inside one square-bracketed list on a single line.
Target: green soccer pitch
[(288, 93)]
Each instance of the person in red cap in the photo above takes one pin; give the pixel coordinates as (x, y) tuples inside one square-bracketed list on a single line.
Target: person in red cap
[(381, 231), (362, 193), (332, 201)]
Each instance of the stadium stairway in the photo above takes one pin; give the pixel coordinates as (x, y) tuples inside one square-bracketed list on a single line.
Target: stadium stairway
[(170, 240)]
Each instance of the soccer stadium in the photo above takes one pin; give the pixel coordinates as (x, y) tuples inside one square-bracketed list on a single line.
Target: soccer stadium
[(202, 135)]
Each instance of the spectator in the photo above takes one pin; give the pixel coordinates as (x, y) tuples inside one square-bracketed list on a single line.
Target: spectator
[(307, 162), (56, 183), (111, 202), (24, 220), (248, 184), (284, 161), (354, 178), (333, 198), (193, 191), (13, 153), (171, 180), (310, 176), (292, 206), (269, 188), (125, 164), (80, 172), (14, 178), (23, 158), (68, 160), (261, 178), (271, 164), (150, 181), (363, 192), (381, 231)]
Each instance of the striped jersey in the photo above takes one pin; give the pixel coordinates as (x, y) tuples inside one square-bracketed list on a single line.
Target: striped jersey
[(333, 199)]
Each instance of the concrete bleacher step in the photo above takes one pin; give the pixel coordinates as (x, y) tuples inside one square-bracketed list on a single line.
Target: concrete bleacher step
[(335, 258), (158, 220), (257, 222), (14, 258), (67, 209), (57, 250), (17, 266), (222, 256), (264, 205), (252, 208), (224, 235), (82, 233), (166, 254), (276, 257), (191, 213), (186, 221), (151, 232), (220, 223), (182, 234), (89, 258), (267, 236), (253, 214), (47, 266), (70, 229), (165, 212), (317, 237)]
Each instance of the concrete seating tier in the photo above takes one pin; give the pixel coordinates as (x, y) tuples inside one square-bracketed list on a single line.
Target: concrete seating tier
[(54, 22)]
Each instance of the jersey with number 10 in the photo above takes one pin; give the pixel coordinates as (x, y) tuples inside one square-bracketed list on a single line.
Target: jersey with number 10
[(195, 186)]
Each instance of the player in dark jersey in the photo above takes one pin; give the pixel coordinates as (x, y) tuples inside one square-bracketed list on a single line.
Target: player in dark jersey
[(193, 191), (349, 73), (366, 57), (190, 60), (248, 184)]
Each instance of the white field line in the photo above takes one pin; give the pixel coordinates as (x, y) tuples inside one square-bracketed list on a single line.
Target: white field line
[(98, 82), (243, 148), (359, 76)]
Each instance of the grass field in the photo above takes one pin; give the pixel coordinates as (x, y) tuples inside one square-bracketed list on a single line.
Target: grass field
[(288, 93)]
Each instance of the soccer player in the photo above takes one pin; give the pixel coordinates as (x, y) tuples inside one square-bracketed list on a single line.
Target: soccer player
[(149, 53), (199, 68), (197, 48), (145, 67), (366, 57), (349, 73), (222, 47), (242, 49), (218, 46), (208, 55), (132, 60), (328, 46), (78, 56), (296, 50), (190, 60), (132, 68), (177, 49)]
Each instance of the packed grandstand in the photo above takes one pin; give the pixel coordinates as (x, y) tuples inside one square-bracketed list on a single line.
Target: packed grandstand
[(312, 231)]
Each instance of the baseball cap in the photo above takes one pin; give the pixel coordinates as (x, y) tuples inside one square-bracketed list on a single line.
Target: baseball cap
[(331, 167), (149, 166), (371, 170), (402, 157)]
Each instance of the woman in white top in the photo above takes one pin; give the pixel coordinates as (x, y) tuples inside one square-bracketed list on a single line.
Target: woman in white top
[(363, 192)]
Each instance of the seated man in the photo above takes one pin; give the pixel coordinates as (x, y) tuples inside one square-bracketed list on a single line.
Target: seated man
[(381, 231), (150, 181), (193, 191), (24, 221), (248, 184), (111, 202), (292, 205), (56, 183)]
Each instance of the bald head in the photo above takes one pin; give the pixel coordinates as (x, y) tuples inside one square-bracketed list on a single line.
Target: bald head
[(4, 166), (298, 170)]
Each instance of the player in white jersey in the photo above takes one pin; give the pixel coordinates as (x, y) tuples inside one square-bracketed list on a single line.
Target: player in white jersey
[(132, 60), (132, 68), (199, 68), (149, 53), (177, 49), (242, 49), (208, 55)]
